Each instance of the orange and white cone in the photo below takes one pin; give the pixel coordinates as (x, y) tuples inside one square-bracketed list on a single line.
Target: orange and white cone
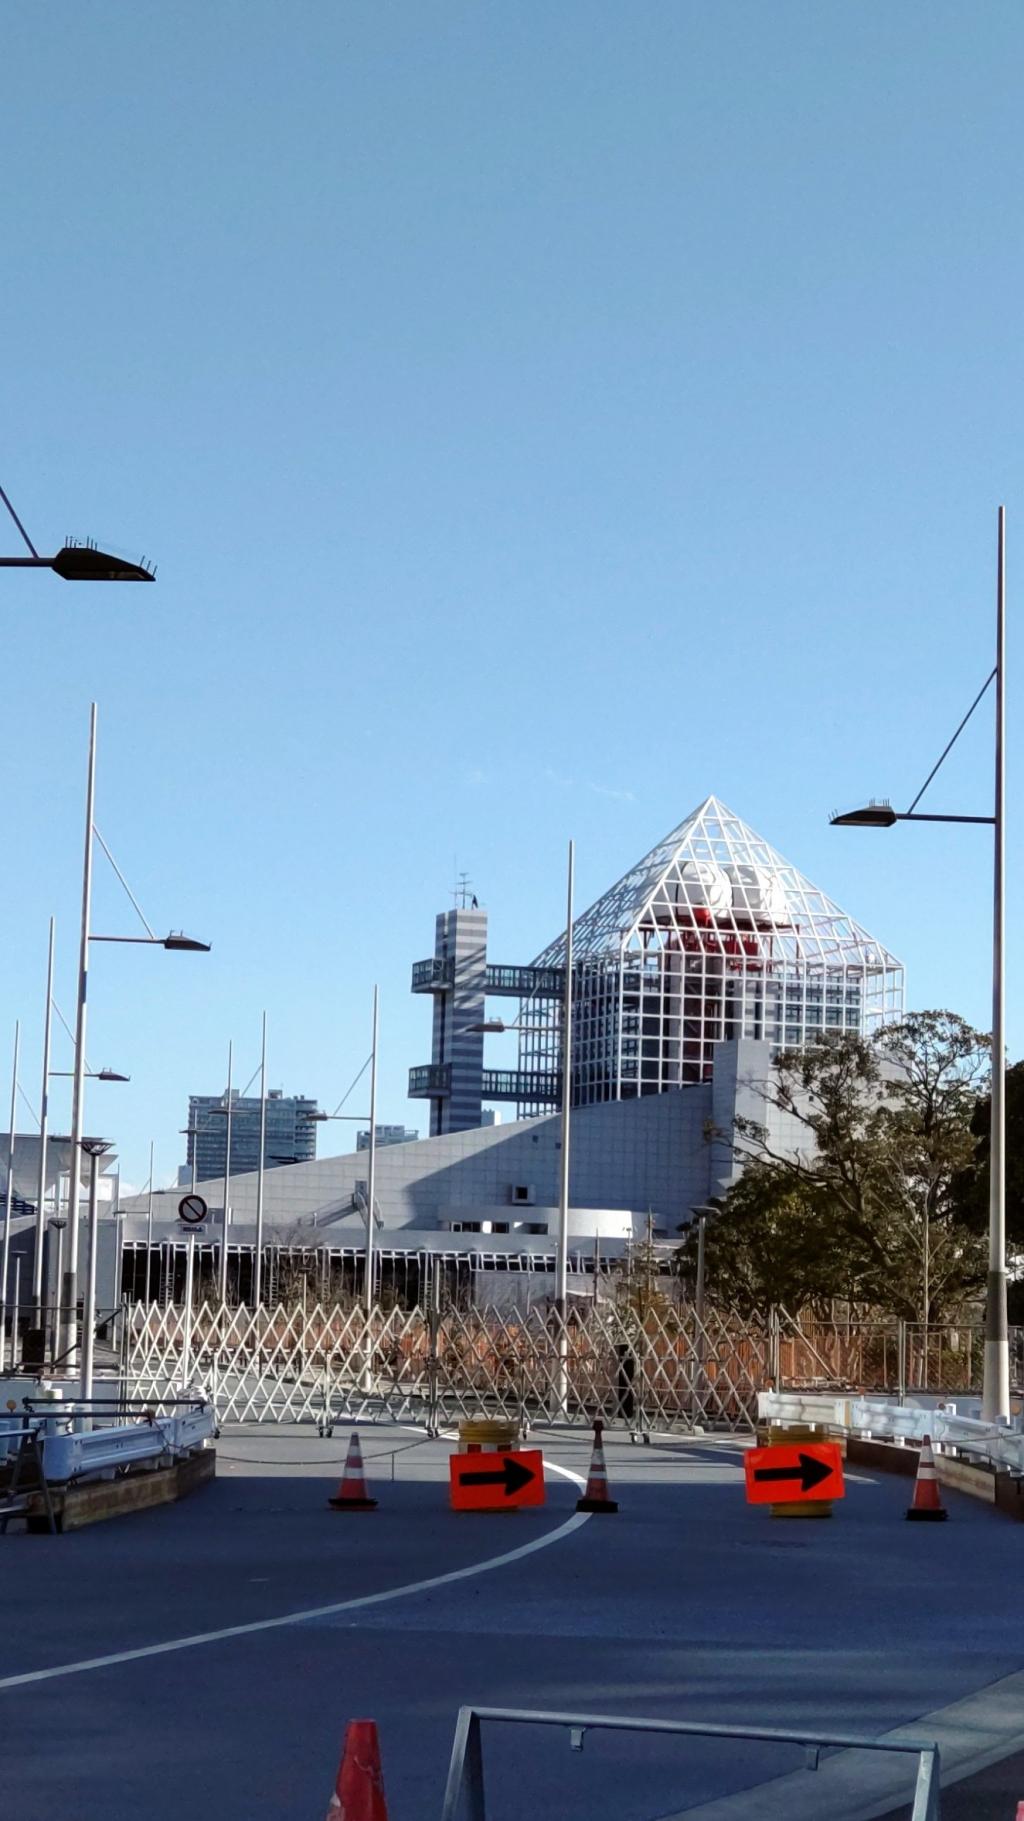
[(359, 1790), (351, 1494), (596, 1496), (926, 1504)]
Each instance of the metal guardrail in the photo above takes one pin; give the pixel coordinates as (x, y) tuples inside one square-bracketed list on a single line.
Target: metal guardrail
[(464, 1792), (72, 1449), (993, 1444)]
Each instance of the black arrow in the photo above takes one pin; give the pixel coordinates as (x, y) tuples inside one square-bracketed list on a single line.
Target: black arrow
[(810, 1472), (511, 1474)]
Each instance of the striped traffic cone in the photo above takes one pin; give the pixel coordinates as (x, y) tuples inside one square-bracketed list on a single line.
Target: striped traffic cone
[(359, 1790), (926, 1505), (596, 1496), (351, 1494)]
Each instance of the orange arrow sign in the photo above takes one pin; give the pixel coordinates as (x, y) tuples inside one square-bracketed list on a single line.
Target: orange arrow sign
[(496, 1482), (785, 1476)]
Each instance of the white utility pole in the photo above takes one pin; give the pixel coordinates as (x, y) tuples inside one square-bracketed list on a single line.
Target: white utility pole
[(5, 1249), (257, 1270), (227, 1191), (44, 1134), (371, 1185), (562, 1252), (995, 1401), (70, 1288)]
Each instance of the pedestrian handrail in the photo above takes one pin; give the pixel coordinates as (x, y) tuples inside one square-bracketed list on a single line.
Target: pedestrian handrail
[(464, 1793)]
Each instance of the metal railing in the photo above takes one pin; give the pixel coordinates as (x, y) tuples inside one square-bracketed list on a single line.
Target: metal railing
[(464, 1794), (898, 1357), (436, 973), (80, 1438), (522, 1084), (525, 982), (952, 1431)]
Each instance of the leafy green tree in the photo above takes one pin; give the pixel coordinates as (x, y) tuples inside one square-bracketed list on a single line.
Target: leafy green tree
[(768, 1244), (862, 1205), (971, 1186)]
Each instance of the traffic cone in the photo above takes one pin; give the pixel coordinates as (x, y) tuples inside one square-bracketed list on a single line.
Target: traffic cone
[(596, 1496), (926, 1504), (359, 1790), (351, 1494)]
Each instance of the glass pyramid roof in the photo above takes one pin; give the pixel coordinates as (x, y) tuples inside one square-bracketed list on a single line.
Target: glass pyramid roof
[(713, 873)]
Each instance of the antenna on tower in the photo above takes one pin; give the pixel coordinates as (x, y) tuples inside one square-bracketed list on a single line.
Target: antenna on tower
[(463, 892)]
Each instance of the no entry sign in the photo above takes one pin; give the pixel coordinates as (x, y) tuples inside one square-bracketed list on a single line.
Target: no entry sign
[(496, 1482)]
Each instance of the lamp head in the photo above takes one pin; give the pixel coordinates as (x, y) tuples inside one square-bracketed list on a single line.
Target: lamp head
[(86, 563), (182, 944), (872, 815)]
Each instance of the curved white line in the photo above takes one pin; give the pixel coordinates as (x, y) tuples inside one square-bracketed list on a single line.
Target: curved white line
[(311, 1612)]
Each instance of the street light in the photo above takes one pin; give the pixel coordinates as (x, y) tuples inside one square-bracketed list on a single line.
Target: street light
[(350, 1118), (995, 1400), (176, 942), (57, 1223), (90, 1075), (172, 941), (497, 1026), (94, 1148), (77, 560), (84, 562)]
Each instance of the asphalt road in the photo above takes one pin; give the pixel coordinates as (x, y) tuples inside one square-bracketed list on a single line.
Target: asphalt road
[(687, 1604)]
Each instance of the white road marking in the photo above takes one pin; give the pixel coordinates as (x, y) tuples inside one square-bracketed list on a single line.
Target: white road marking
[(312, 1612)]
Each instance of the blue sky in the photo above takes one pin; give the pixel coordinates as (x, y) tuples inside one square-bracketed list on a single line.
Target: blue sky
[(542, 416)]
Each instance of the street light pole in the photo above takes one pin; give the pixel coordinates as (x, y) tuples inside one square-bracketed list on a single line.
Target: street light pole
[(995, 1402), (995, 1397), (260, 1168), (562, 1248), (69, 1344), (372, 1166), (227, 1192), (94, 1149), (44, 1132), (149, 1226), (5, 1251)]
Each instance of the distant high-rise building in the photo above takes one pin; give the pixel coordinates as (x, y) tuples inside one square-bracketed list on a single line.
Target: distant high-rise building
[(386, 1134), (291, 1132)]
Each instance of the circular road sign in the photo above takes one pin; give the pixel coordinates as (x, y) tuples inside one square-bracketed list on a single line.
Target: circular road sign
[(192, 1209)]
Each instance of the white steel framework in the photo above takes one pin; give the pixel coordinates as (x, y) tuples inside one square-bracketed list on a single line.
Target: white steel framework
[(712, 936)]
